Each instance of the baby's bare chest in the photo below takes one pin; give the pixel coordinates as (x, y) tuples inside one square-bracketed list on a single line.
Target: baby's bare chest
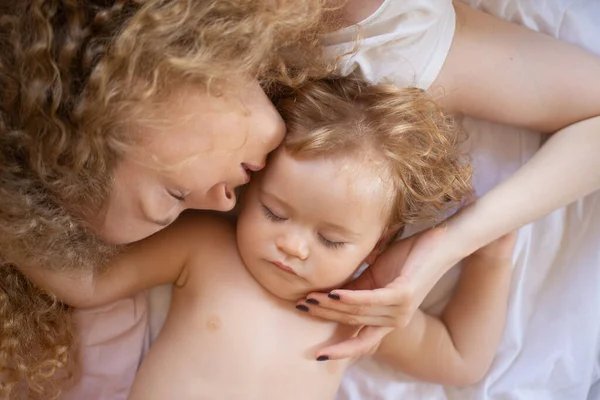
[(231, 340)]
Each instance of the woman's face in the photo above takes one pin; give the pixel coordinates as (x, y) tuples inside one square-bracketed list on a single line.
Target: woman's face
[(197, 150)]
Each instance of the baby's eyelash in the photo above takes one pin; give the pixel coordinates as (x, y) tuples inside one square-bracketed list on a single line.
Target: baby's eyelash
[(332, 245), (272, 216), (276, 218)]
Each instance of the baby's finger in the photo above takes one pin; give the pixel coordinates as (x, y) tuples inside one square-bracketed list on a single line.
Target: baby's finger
[(344, 318), (386, 296), (367, 339), (323, 300)]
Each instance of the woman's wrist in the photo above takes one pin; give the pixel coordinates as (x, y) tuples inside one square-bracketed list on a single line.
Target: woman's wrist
[(455, 234), (445, 245)]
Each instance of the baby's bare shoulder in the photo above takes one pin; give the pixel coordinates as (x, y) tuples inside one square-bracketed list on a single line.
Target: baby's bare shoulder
[(204, 230), (212, 239)]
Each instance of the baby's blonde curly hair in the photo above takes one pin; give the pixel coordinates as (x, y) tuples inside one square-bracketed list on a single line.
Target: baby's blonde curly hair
[(74, 76), (403, 127)]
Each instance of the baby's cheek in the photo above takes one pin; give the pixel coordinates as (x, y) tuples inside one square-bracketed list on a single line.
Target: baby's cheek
[(334, 275), (249, 228)]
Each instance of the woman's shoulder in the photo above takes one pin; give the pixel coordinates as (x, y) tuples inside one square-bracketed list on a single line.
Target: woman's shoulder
[(367, 12), (405, 42)]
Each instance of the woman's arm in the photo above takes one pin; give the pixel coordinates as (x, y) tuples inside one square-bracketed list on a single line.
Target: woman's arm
[(565, 168), (506, 73), (458, 348), (517, 76)]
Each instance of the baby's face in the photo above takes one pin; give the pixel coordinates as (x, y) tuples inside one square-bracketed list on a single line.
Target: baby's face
[(307, 225)]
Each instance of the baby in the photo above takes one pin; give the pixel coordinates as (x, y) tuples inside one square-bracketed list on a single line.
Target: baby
[(359, 162)]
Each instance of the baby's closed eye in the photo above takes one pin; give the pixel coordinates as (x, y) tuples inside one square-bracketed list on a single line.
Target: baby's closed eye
[(271, 215), (330, 243)]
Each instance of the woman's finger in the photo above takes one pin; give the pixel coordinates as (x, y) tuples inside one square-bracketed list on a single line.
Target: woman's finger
[(362, 344), (344, 318), (323, 300), (397, 294)]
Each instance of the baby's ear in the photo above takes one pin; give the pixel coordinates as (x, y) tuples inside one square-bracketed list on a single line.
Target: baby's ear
[(388, 236), (379, 247), (372, 257)]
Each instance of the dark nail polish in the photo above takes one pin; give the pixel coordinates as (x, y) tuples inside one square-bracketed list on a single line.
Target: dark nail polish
[(302, 307), (312, 301), (333, 296), (323, 358)]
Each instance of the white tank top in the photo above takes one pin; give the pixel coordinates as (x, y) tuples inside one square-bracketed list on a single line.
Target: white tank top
[(404, 42)]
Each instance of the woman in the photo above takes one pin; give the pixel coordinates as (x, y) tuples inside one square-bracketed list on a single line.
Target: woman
[(80, 187), (115, 116)]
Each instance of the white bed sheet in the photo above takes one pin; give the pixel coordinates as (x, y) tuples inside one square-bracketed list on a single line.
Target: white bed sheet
[(550, 348)]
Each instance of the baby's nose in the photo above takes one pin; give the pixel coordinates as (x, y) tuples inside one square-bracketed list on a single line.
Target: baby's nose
[(293, 244)]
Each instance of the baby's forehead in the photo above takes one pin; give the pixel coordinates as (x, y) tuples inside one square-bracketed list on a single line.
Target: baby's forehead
[(354, 180), (363, 175)]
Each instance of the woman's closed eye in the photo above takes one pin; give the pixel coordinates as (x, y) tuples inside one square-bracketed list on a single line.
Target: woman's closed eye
[(271, 215), (177, 195), (330, 243)]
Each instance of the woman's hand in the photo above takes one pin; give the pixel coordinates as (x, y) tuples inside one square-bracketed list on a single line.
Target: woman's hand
[(392, 289), (387, 294)]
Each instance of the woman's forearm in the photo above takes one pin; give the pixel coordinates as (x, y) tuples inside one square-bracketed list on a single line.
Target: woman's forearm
[(566, 168)]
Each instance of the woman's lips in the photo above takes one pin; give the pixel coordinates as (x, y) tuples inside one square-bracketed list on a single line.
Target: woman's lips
[(248, 169), (246, 174), (253, 167)]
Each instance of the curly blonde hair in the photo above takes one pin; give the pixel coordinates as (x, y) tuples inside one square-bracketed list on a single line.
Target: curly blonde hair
[(74, 75), (417, 142)]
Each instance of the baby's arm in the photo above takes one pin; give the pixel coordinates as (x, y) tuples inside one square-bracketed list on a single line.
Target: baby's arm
[(458, 347), (156, 260)]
